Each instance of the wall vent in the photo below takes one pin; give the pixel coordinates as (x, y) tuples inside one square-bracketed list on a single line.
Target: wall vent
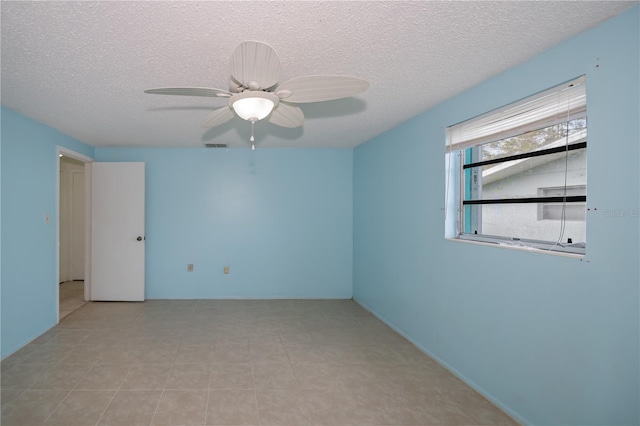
[(215, 145)]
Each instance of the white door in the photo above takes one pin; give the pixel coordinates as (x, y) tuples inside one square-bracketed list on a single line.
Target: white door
[(117, 231)]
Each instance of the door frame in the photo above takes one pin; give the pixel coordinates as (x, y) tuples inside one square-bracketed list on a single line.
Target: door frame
[(62, 151)]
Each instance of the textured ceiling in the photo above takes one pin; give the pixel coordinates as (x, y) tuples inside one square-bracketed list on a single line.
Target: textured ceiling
[(81, 67)]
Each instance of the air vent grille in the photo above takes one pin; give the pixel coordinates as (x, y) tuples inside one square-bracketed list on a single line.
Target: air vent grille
[(215, 145)]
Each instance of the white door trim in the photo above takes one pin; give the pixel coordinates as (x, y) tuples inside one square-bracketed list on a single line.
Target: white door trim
[(60, 150)]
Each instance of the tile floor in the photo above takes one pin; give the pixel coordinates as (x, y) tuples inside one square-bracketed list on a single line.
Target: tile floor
[(232, 362), (71, 297)]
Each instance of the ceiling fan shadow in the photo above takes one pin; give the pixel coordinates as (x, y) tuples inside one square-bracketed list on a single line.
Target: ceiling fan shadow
[(183, 108), (279, 132), (217, 131), (336, 108)]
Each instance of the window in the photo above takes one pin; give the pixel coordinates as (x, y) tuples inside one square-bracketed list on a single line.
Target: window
[(522, 172)]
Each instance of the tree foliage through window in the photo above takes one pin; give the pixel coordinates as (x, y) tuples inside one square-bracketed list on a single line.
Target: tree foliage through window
[(532, 141)]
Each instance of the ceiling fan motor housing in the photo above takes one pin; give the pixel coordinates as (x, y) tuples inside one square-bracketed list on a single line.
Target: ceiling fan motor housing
[(253, 104)]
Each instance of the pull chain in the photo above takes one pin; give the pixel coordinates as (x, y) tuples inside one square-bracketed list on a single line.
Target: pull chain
[(253, 146)]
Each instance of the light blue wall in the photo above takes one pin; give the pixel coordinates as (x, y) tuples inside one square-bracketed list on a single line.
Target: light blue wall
[(553, 340), (281, 219), (29, 270)]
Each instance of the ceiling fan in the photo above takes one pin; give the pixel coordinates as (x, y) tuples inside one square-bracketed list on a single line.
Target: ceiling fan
[(254, 92)]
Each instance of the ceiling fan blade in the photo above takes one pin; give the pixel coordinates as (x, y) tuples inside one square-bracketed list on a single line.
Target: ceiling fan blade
[(190, 91), (218, 117), (286, 116), (255, 65), (318, 88)]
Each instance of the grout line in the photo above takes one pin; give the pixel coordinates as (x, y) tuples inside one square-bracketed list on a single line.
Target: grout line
[(59, 404), (114, 394), (255, 394), (161, 394), (206, 409), (107, 406)]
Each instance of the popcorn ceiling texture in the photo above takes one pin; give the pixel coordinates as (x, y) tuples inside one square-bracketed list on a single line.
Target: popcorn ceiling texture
[(81, 67)]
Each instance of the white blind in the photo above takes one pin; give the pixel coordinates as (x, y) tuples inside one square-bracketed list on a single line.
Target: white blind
[(553, 106)]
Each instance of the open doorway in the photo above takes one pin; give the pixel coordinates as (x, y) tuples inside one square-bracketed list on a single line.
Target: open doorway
[(71, 231)]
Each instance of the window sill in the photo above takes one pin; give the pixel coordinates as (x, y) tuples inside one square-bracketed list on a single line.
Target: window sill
[(513, 247)]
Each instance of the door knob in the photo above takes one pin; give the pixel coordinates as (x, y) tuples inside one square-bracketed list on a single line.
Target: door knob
[(139, 238)]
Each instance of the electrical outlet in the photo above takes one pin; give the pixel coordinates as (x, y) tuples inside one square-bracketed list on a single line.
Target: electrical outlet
[(226, 270), (190, 267)]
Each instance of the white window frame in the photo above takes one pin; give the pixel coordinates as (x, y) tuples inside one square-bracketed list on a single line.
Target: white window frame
[(557, 105)]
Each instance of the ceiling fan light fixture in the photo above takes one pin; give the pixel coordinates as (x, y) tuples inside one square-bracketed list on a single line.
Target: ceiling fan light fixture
[(253, 105)]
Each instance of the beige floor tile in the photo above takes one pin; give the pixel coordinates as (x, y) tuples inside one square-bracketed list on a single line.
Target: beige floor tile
[(207, 304), (344, 353), (268, 352), (116, 323), (262, 336), (109, 338), (232, 407), (426, 407), (319, 375), (72, 323), (329, 407), (204, 337), (22, 376), (382, 354), (119, 354), (305, 353), (9, 395), (195, 354), (49, 354), (394, 407), (371, 374), (45, 337), (311, 362), (146, 377), (274, 376), (229, 321), (231, 376), (32, 407), (9, 363), (61, 376), (159, 353), (232, 338), (296, 338), (443, 415), (181, 407), (81, 408), (189, 376), (69, 337), (232, 352), (282, 407), (104, 377), (83, 354), (131, 408)]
